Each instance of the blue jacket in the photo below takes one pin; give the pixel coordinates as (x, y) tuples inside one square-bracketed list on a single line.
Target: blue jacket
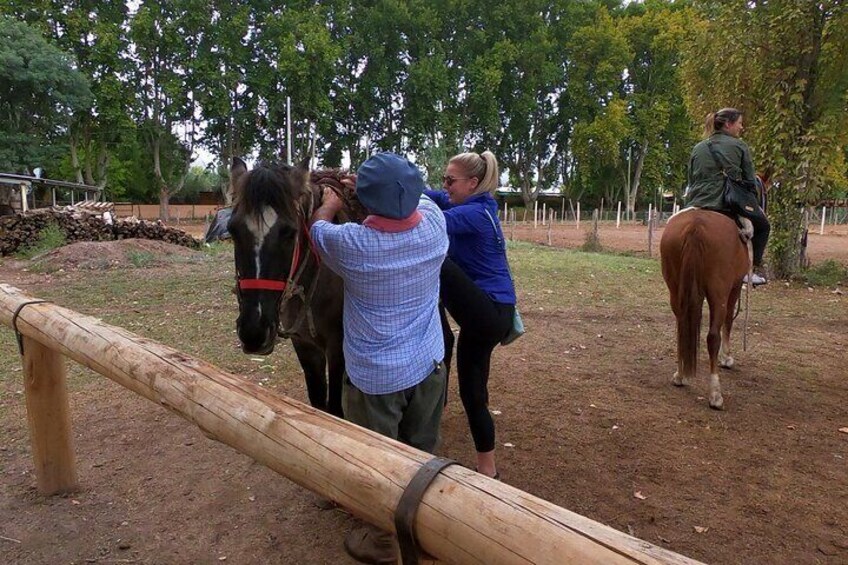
[(476, 245)]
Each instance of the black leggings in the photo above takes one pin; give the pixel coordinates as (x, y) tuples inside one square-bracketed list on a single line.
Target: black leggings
[(762, 228), (483, 323)]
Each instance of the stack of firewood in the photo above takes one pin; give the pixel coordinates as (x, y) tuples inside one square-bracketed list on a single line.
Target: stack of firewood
[(22, 230)]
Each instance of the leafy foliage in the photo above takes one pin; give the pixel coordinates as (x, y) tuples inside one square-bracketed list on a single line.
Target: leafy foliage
[(789, 74), (594, 97), (38, 89), (828, 273)]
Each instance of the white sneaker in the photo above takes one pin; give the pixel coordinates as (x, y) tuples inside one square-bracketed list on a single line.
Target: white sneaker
[(756, 280)]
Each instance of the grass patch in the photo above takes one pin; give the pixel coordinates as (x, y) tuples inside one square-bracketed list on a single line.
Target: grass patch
[(140, 258), (48, 239), (592, 243), (828, 273)]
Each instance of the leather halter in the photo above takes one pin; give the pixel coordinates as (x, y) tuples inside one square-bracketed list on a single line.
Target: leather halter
[(290, 287), (294, 271)]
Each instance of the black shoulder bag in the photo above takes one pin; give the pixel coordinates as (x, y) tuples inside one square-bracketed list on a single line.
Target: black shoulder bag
[(740, 195)]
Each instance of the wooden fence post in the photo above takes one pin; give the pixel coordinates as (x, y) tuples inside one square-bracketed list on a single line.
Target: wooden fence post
[(578, 215), (618, 216), (823, 217), (650, 231), (49, 418), (551, 218), (535, 213)]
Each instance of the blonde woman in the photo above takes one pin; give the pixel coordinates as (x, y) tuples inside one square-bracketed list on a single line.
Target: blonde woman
[(476, 288)]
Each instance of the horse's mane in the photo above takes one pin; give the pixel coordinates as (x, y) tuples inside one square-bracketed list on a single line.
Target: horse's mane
[(269, 185), (284, 188)]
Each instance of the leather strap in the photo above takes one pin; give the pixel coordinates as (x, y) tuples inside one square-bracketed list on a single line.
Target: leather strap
[(261, 284), (408, 506), (15, 322)]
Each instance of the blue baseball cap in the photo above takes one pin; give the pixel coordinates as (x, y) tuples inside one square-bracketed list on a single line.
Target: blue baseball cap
[(389, 185)]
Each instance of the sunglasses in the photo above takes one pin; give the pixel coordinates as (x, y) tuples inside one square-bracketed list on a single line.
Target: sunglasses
[(449, 180)]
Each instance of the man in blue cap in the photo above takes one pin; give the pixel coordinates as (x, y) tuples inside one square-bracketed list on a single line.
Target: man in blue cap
[(393, 346)]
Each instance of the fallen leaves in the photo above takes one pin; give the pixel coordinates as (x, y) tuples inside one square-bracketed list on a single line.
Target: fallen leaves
[(701, 529), (638, 494), (843, 430)]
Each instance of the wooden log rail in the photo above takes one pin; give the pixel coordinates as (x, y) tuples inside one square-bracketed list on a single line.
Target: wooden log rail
[(464, 517)]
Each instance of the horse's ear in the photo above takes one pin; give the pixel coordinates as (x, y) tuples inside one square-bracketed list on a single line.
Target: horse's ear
[(304, 164), (238, 168)]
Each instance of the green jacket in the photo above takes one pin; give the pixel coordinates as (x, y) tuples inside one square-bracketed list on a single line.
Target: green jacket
[(706, 183)]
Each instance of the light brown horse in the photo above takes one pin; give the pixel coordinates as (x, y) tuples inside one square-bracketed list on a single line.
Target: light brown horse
[(703, 257)]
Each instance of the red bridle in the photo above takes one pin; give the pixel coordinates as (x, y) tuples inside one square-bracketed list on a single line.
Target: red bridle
[(279, 285)]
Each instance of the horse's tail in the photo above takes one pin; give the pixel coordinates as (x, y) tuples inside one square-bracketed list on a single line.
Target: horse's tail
[(690, 300)]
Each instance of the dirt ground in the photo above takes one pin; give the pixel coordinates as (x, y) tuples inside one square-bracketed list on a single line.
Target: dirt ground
[(585, 412)]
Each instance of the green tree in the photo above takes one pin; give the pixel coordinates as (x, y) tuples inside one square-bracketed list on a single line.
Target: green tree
[(662, 130), (599, 56), (39, 88), (166, 39), (788, 72), (227, 106)]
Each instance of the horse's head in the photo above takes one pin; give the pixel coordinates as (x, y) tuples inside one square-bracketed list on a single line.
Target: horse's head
[(267, 226)]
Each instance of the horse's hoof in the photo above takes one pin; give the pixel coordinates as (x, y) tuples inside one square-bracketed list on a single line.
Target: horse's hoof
[(727, 363), (717, 402), (676, 380)]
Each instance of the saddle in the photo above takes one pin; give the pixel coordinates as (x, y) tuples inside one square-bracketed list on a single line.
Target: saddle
[(746, 229), (353, 210)]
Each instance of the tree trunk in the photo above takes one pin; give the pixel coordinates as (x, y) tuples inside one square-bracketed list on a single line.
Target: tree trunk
[(102, 166), (164, 194), (74, 140), (89, 175), (637, 178), (786, 219)]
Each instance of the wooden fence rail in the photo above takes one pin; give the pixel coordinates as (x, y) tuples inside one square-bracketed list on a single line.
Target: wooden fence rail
[(464, 517)]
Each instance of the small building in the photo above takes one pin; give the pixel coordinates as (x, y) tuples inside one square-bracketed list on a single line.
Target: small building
[(19, 193)]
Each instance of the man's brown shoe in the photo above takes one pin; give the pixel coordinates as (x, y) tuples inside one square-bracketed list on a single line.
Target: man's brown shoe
[(371, 545)]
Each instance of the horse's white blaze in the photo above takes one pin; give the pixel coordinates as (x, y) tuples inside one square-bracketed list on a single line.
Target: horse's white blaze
[(259, 226)]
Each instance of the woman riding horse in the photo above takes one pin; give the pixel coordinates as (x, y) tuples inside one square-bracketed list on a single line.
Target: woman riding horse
[(723, 153), (703, 256)]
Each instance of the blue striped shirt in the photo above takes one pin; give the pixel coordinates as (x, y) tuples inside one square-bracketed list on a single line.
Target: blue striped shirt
[(392, 333)]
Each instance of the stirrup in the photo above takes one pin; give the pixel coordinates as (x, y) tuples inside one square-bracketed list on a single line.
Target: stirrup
[(746, 229)]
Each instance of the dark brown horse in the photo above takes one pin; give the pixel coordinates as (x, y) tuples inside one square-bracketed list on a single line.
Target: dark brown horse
[(703, 257), (282, 287)]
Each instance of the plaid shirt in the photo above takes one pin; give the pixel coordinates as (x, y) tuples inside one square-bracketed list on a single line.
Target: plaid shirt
[(392, 333)]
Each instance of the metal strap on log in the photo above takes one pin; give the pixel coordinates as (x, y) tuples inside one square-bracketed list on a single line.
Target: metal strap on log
[(463, 517), (408, 506)]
